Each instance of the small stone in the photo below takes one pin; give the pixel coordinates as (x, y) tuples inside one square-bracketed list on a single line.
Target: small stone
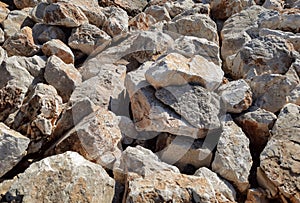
[(59, 49), (160, 13), (13, 148), (141, 21), (177, 7), (64, 77), (43, 33)]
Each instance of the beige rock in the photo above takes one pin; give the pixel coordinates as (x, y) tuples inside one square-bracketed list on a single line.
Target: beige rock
[(97, 137), (133, 7), (160, 13), (20, 4), (59, 49), (290, 21), (21, 43), (177, 7), (274, 4), (141, 21), (3, 11), (64, 77), (13, 148), (198, 8), (43, 33), (175, 69), (66, 177), (256, 196)]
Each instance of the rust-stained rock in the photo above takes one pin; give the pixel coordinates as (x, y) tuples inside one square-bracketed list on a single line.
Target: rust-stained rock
[(141, 21), (59, 49)]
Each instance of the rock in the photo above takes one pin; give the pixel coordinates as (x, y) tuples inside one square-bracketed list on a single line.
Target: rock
[(59, 49), (38, 114), (97, 137), (3, 55), (290, 21), (175, 69), (189, 46), (66, 177), (256, 196), (64, 14), (2, 37), (87, 37), (273, 4), (129, 133), (160, 13), (21, 43), (64, 77), (133, 7), (13, 148), (222, 9), (43, 33), (140, 161), (117, 21), (198, 8), (197, 25), (237, 96), (20, 4), (224, 191), (37, 13), (194, 103), (5, 185), (294, 96), (177, 7), (256, 123), (233, 159), (3, 12), (141, 21)]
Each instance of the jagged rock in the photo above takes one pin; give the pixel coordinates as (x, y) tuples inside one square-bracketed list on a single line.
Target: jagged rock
[(37, 13), (43, 33), (189, 46), (87, 37), (96, 137), (141, 21), (117, 21), (140, 161), (129, 133), (64, 14), (3, 55), (237, 96), (294, 96), (2, 37), (233, 159), (197, 105), (273, 4), (197, 25), (256, 196), (224, 191), (257, 123), (133, 7), (175, 69), (66, 177), (290, 21), (177, 7), (64, 77), (3, 12), (198, 8), (59, 49), (160, 13), (20, 4), (222, 9), (13, 148), (38, 114), (21, 43)]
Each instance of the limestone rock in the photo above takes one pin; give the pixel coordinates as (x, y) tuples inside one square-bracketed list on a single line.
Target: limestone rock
[(3, 55), (237, 96), (64, 14), (37, 13), (198, 8), (3, 12), (96, 137), (233, 159), (177, 7), (160, 13), (290, 21), (64, 77), (175, 69), (87, 37), (38, 114), (43, 33), (63, 177), (2, 37), (129, 133), (133, 7), (273, 4), (21, 43), (256, 196), (141, 21), (197, 25), (13, 147), (59, 49), (20, 4), (140, 161)]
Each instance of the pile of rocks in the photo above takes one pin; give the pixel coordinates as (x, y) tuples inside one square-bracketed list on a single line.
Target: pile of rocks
[(150, 101)]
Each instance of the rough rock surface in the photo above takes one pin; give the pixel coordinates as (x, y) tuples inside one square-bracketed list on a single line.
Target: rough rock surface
[(43, 33), (63, 177), (160, 13), (142, 21), (132, 7), (59, 49)]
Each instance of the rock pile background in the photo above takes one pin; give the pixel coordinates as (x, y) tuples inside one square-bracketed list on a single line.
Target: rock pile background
[(150, 101)]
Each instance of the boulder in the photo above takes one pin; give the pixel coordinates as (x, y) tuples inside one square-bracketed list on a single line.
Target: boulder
[(177, 7), (59, 49), (20, 4), (43, 33), (160, 13), (141, 21), (133, 7)]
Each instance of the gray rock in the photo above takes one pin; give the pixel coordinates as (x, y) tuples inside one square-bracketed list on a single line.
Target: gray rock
[(2, 37), (273, 4), (3, 12), (59, 49), (160, 13), (233, 160), (43, 33), (13, 148), (290, 21), (177, 7), (20, 4), (129, 133), (37, 13), (133, 7), (256, 195), (64, 77), (61, 178), (141, 21)]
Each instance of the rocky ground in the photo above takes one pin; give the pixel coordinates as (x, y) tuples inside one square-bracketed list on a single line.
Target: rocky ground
[(143, 101)]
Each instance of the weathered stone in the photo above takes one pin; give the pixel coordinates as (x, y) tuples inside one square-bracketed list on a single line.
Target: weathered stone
[(141, 21), (66, 177), (20, 4), (175, 69), (222, 9), (197, 25), (189, 46), (237, 96), (177, 7), (21, 43), (37, 13), (256, 196), (140, 161), (64, 14), (3, 55), (224, 191), (59, 49), (196, 9), (3, 12), (13, 147), (129, 133), (294, 96), (38, 114), (2, 37), (160, 13), (87, 37), (97, 137), (64, 77), (133, 7), (43, 33), (233, 159), (257, 123), (290, 21), (273, 4), (117, 21)]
